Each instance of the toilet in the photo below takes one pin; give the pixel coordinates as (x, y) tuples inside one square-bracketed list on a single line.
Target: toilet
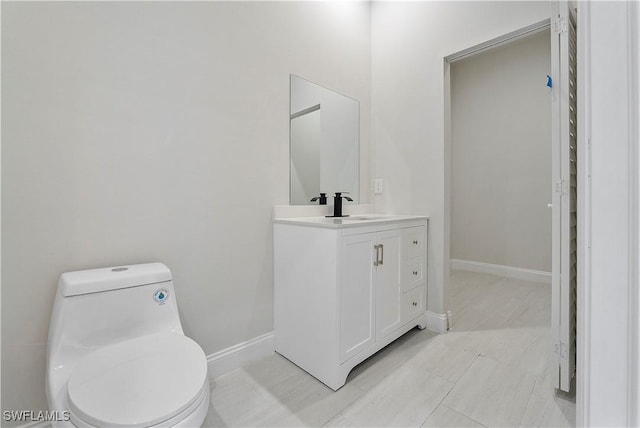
[(117, 355)]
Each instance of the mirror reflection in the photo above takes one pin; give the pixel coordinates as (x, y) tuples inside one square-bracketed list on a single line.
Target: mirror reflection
[(324, 142)]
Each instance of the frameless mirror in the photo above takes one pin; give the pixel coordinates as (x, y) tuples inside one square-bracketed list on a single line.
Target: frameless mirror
[(324, 142)]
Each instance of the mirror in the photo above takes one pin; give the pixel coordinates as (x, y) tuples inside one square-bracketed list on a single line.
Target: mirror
[(324, 143)]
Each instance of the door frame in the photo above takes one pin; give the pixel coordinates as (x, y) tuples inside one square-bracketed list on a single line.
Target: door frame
[(609, 45)]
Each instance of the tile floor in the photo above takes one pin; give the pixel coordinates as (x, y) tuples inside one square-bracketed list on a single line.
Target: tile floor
[(490, 370)]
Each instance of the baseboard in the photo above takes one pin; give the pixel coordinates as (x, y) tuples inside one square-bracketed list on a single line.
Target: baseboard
[(238, 355), (437, 322), (499, 270)]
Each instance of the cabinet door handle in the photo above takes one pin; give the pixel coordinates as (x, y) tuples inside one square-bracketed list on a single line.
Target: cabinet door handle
[(377, 248), (415, 272), (381, 254), (415, 242), (415, 304)]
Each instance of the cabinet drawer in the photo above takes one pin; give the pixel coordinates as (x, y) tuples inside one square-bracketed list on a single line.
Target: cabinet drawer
[(414, 242), (412, 304), (413, 274)]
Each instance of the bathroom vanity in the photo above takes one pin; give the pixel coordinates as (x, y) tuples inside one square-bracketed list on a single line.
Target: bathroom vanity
[(346, 287)]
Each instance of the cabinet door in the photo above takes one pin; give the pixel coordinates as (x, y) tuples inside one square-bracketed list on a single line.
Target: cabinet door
[(356, 294), (389, 283)]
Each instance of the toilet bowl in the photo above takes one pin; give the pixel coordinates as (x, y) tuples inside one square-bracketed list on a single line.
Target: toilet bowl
[(117, 355)]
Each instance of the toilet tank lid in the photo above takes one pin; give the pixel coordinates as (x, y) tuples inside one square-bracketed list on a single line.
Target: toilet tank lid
[(112, 278)]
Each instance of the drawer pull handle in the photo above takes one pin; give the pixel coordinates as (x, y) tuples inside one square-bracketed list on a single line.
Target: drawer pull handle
[(415, 303), (415, 242), (415, 272)]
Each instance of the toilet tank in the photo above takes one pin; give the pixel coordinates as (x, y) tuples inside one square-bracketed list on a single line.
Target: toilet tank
[(98, 307)]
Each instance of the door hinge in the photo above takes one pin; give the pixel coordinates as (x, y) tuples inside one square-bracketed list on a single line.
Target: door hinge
[(561, 350), (561, 186), (560, 25)]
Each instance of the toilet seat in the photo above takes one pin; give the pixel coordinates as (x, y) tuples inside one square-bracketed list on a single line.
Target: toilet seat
[(138, 383)]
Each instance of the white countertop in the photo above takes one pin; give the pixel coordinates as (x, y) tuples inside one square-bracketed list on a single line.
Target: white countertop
[(351, 221)]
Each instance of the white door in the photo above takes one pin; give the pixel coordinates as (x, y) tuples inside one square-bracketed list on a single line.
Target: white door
[(388, 283), (564, 201), (356, 294)]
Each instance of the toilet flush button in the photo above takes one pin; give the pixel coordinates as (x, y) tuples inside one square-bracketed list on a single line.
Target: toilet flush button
[(161, 295)]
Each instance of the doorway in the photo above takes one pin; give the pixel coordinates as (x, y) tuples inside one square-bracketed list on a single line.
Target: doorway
[(500, 181), (501, 160)]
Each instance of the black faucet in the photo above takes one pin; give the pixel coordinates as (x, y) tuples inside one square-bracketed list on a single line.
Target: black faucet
[(337, 204), (322, 198)]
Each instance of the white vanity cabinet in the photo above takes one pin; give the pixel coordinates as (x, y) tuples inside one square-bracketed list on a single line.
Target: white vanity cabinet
[(345, 288)]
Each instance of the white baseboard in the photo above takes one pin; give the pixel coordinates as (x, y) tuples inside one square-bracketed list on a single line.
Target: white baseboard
[(238, 355), (499, 270), (437, 322)]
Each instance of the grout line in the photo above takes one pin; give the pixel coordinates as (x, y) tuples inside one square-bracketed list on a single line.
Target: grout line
[(440, 403), (355, 398), (527, 406), (466, 416)]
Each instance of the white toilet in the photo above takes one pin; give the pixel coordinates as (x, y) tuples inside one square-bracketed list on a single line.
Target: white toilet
[(117, 355)]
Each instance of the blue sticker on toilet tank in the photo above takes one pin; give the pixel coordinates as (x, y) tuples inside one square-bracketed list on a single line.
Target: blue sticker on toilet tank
[(161, 295)]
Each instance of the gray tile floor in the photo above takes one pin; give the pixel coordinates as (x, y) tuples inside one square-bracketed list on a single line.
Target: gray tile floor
[(490, 370)]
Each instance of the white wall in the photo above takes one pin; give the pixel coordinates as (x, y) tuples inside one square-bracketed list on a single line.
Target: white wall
[(409, 41), (501, 155), (156, 131)]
